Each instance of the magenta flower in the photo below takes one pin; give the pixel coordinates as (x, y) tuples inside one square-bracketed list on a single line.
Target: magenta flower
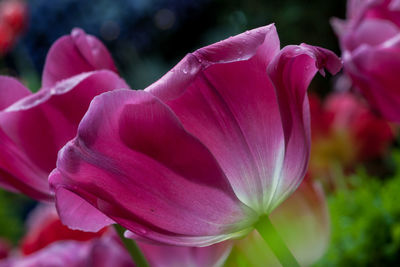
[(54, 245), (33, 127), (200, 155), (109, 252), (370, 42)]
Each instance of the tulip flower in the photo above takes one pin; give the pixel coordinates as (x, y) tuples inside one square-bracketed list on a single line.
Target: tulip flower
[(302, 221), (33, 127), (345, 132), (369, 40), (201, 155), (109, 252), (49, 243)]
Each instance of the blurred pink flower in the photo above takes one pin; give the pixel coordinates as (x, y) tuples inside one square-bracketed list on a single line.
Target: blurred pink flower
[(303, 223), (345, 132), (33, 127), (222, 139), (58, 247), (370, 42)]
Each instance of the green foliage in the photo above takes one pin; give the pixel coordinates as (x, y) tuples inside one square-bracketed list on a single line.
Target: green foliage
[(11, 209), (366, 222)]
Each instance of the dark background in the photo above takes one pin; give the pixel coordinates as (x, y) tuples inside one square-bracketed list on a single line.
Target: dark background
[(147, 37)]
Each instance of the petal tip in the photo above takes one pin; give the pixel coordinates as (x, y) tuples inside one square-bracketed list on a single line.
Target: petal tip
[(325, 59)]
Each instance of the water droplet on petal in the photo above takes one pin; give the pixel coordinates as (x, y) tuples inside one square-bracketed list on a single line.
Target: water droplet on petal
[(142, 231)]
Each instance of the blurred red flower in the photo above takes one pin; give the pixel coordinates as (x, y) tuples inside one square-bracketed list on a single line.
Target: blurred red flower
[(13, 20), (345, 132)]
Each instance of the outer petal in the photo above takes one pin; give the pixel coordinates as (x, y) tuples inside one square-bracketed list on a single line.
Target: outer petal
[(11, 90), (109, 252), (374, 70), (75, 54), (303, 223), (382, 30), (33, 129), (170, 256), (223, 96), (45, 227), (291, 73), (132, 149), (61, 254)]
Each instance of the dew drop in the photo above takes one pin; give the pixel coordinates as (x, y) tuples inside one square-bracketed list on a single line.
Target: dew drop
[(185, 71), (142, 231)]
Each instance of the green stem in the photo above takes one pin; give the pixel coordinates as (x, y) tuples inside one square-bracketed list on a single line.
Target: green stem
[(275, 242), (133, 249)]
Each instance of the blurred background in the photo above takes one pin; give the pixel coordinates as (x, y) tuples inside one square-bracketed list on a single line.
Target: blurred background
[(148, 37)]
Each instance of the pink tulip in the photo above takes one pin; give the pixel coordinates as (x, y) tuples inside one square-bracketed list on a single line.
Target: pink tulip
[(55, 246), (370, 42), (33, 127), (200, 155), (109, 252), (302, 221)]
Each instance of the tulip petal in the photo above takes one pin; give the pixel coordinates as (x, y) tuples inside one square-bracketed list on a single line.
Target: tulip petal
[(223, 96), (74, 54), (33, 129), (70, 204), (11, 90), (395, 5), (60, 254), (291, 73), (133, 161), (170, 256), (375, 71), (382, 29)]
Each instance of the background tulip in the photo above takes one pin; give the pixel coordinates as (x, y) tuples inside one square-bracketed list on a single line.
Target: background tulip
[(33, 127), (200, 155), (50, 244), (369, 39)]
